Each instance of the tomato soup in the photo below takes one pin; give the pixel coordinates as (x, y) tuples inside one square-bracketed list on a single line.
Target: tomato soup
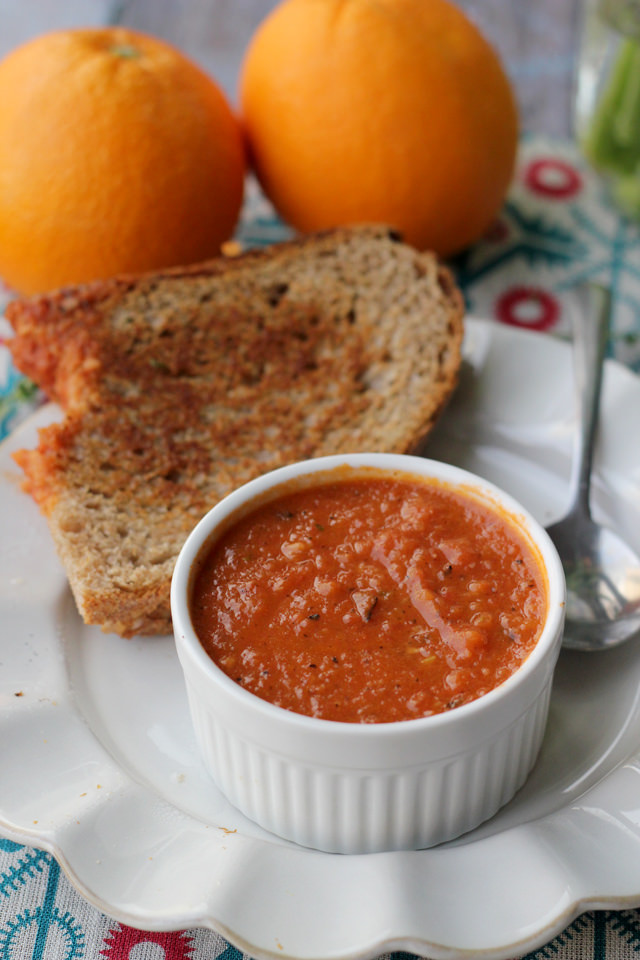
[(370, 600)]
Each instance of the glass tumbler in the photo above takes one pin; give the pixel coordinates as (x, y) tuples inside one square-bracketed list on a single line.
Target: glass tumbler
[(607, 100)]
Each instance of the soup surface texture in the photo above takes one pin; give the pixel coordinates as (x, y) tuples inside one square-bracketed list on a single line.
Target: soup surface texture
[(370, 600)]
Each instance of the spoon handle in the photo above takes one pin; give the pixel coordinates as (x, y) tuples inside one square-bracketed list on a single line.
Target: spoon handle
[(590, 335)]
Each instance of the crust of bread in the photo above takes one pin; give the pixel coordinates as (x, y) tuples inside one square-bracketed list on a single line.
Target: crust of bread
[(180, 385)]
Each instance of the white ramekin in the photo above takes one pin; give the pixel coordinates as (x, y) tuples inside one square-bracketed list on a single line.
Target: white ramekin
[(360, 788)]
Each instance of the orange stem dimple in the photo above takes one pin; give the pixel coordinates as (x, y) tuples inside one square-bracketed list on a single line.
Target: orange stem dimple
[(125, 50)]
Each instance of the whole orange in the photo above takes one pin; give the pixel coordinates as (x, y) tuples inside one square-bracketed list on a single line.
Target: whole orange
[(117, 154), (379, 110)]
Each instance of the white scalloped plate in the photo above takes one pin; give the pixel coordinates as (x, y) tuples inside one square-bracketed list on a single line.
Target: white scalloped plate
[(99, 765)]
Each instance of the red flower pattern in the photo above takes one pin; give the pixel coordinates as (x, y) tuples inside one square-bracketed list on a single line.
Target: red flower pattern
[(528, 307), (552, 177), (120, 941)]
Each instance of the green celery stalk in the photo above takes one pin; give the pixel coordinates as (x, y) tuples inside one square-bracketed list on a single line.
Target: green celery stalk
[(612, 142)]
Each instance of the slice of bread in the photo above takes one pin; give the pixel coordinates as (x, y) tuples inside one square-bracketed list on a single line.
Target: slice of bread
[(180, 386)]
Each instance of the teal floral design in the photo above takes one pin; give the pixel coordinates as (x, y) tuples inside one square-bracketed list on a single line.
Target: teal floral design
[(18, 397)]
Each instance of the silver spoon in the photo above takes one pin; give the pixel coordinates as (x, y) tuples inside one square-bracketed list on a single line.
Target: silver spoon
[(602, 571)]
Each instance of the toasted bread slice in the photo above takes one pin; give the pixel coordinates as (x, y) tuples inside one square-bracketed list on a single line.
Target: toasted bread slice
[(180, 386)]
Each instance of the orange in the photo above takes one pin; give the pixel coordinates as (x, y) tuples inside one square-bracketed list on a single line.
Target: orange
[(396, 111), (117, 154)]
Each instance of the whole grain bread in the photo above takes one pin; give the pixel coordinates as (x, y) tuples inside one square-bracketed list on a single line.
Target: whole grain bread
[(181, 385)]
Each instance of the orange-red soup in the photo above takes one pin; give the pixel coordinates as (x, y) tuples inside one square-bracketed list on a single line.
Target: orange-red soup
[(370, 600)]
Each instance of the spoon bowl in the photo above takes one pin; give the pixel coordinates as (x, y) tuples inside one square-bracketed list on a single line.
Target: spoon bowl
[(602, 570), (603, 583)]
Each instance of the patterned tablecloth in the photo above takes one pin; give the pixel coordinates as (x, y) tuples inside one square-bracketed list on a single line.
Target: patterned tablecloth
[(557, 229)]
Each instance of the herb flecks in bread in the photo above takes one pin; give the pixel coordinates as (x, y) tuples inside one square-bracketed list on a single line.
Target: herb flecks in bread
[(179, 386)]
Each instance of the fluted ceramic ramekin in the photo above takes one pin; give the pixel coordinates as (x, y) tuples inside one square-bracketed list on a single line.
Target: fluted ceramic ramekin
[(360, 788)]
